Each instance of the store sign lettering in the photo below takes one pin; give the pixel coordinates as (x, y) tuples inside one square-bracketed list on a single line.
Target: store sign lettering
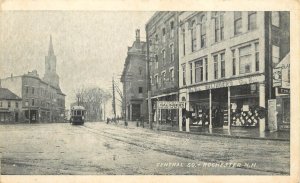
[(170, 105)]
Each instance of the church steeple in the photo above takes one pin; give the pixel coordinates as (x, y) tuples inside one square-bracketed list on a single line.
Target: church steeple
[(50, 51)]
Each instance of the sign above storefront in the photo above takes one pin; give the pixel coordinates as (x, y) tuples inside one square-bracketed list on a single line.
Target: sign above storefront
[(283, 90), (170, 105), (281, 73), (231, 82)]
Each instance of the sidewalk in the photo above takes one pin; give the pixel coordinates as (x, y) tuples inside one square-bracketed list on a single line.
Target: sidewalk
[(234, 132)]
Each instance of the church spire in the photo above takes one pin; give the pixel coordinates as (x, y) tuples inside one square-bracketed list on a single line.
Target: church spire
[(50, 51)]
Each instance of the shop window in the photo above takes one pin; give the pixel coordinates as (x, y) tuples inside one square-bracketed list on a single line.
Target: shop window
[(275, 18), (193, 36), (222, 65), (215, 66), (199, 71), (256, 57), (251, 20), (140, 89), (233, 63), (183, 74), (191, 73), (245, 59), (203, 31), (237, 23)]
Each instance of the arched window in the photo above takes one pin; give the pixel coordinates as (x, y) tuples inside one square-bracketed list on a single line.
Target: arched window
[(193, 35), (203, 31)]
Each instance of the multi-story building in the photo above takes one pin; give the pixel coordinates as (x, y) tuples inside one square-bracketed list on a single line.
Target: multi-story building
[(10, 106), (162, 34), (225, 66), (42, 100), (134, 80)]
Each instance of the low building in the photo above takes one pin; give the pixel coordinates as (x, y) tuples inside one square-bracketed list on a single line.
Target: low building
[(134, 80), (10, 106)]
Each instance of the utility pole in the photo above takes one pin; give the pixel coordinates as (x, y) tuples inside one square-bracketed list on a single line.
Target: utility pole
[(148, 81), (114, 99)]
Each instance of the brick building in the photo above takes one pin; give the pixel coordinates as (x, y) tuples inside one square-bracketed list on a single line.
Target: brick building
[(225, 66), (162, 33), (42, 99), (134, 80)]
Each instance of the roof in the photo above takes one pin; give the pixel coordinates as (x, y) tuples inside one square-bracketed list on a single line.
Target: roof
[(8, 95)]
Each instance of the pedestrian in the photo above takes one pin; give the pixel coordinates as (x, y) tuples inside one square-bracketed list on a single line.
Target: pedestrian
[(142, 121)]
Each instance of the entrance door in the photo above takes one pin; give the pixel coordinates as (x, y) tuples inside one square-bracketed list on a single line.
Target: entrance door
[(16, 117), (136, 111), (219, 104)]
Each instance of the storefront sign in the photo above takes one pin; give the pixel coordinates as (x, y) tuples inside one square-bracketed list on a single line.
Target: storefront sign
[(226, 83), (283, 91), (170, 105), (281, 73)]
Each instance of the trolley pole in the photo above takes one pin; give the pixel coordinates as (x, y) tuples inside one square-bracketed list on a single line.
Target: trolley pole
[(148, 82), (114, 100)]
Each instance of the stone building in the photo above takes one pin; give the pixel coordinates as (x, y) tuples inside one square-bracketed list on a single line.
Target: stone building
[(162, 33), (42, 100), (225, 66), (134, 80)]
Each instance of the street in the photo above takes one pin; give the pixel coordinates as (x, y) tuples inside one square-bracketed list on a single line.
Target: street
[(108, 149)]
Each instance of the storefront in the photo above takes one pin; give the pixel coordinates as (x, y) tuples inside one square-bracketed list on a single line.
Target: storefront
[(229, 103)]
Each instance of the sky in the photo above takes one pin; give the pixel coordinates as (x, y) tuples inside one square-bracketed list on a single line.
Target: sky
[(90, 46)]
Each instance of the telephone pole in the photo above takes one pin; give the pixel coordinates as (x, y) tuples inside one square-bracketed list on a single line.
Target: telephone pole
[(114, 99)]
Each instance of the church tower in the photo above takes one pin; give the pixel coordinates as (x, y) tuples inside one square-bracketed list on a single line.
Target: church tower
[(51, 76)]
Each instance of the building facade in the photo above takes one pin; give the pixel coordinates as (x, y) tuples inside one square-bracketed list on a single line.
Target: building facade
[(134, 80), (162, 34), (10, 106), (42, 100), (225, 66)]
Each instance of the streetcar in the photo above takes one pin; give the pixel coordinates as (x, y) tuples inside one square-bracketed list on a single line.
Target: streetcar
[(77, 115)]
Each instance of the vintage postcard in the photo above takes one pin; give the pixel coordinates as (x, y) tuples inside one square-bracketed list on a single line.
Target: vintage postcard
[(158, 91)]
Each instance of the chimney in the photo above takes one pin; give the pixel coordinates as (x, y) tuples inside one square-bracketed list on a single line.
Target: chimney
[(137, 35)]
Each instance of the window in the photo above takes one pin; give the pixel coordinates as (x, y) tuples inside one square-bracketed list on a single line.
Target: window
[(256, 57), (219, 25), (164, 34), (172, 52), (8, 104), (17, 105), (216, 66), (140, 70), (199, 71), (156, 38), (183, 74), (275, 18), (172, 28), (233, 63), (183, 41), (222, 65), (245, 59), (163, 78), (156, 80), (32, 90), (206, 69), (203, 31), (193, 36), (237, 23), (191, 73), (151, 82), (164, 57), (156, 62), (140, 89), (0, 103), (251, 20), (32, 102), (27, 89), (171, 75)]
